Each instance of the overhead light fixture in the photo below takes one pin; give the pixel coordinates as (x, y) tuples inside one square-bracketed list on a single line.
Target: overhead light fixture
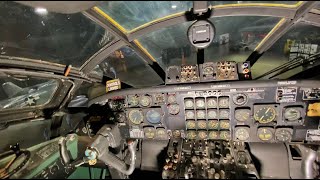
[(41, 11), (174, 6)]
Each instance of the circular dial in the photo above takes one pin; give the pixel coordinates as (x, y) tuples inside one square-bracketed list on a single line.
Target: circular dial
[(173, 109), (224, 124), (176, 134), (200, 104), (212, 114), (135, 116), (208, 70), (161, 133), (225, 135), (188, 103), (213, 135), (265, 134), (171, 99), (201, 114), (292, 114), (133, 100), (149, 132), (153, 116), (145, 100), (283, 135), (191, 135), (191, 124), (213, 124), (202, 134), (223, 102), (242, 134), (202, 124), (211, 102), (224, 114), (240, 99), (265, 114), (189, 115), (242, 115)]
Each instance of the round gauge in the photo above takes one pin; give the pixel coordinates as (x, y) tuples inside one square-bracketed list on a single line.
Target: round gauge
[(202, 134), (225, 135), (133, 101), (191, 124), (240, 99), (191, 135), (292, 114), (200, 104), (149, 132), (188, 103), (265, 134), (213, 135), (265, 114), (212, 114), (189, 115), (171, 99), (242, 115), (208, 70), (153, 116), (176, 134), (242, 134), (161, 133), (224, 114), (211, 102), (213, 124), (135, 116), (145, 101), (173, 109), (224, 124), (202, 124), (283, 135), (223, 102), (201, 114)]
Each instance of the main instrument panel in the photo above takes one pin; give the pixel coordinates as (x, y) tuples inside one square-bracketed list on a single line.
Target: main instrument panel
[(247, 111)]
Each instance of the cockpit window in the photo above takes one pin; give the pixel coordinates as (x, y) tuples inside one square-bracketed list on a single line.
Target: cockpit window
[(296, 46), (68, 39), (16, 92), (213, 3), (126, 65)]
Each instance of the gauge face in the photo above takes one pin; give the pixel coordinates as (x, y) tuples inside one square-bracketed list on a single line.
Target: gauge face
[(208, 70), (212, 102), (201, 114), (212, 114), (176, 134), (161, 133), (224, 114), (149, 132), (283, 135), (202, 124), (135, 116), (265, 114), (188, 103), (145, 101), (153, 116), (133, 100), (190, 115), (202, 134), (213, 135), (173, 109), (223, 102), (191, 135), (213, 124), (191, 124), (242, 115), (225, 135), (265, 134), (292, 114), (171, 99), (200, 104), (224, 124), (242, 134)]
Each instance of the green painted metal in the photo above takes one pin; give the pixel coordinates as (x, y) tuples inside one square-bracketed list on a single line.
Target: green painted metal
[(83, 173)]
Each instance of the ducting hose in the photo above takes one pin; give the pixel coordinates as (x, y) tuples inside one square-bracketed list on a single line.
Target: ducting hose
[(114, 161), (307, 164)]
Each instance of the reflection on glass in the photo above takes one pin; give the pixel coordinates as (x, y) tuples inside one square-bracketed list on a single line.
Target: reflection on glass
[(213, 3), (300, 41), (39, 34), (131, 14), (237, 37), (126, 65), (21, 93)]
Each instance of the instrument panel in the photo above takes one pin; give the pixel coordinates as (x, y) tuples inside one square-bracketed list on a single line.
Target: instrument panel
[(247, 111)]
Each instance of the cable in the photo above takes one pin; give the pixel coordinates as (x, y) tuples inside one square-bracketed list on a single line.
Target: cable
[(90, 172)]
